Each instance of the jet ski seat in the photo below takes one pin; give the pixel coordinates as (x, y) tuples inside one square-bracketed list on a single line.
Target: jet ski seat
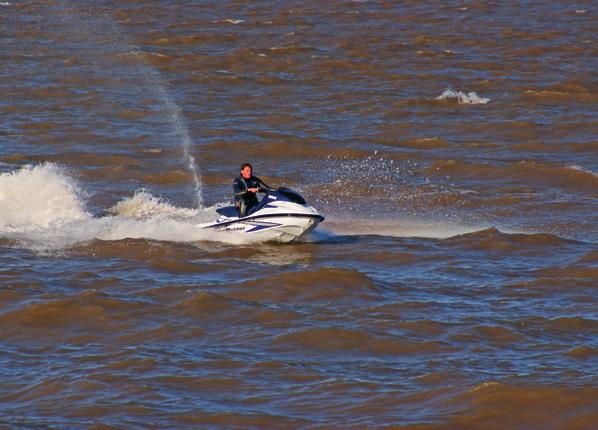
[(228, 211)]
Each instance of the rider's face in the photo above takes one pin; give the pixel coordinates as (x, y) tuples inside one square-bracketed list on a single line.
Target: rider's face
[(246, 172)]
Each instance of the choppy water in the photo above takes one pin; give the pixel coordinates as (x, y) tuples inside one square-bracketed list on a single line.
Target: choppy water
[(450, 145)]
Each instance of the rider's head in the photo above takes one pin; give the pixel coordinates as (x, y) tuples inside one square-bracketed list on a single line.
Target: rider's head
[(246, 170)]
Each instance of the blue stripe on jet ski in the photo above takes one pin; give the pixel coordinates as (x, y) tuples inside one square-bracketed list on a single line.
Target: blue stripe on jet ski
[(262, 226), (253, 217)]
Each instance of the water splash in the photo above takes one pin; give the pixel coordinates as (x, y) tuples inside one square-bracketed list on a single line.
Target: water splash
[(389, 197), (43, 208), (145, 205), (39, 197)]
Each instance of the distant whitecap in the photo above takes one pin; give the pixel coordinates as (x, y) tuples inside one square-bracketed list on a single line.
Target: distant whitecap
[(582, 170), (462, 98), (233, 21)]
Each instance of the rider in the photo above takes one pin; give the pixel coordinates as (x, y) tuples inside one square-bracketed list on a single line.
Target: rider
[(246, 187)]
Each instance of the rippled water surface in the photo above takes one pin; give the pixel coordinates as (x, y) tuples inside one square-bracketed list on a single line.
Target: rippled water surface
[(450, 145)]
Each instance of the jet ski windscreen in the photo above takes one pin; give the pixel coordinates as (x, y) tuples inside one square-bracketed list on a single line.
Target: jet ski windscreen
[(292, 196)]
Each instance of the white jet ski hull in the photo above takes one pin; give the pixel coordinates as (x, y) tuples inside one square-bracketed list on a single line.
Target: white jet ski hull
[(274, 228), (282, 216)]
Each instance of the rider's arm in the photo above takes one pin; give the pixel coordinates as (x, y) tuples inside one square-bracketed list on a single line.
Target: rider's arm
[(239, 188), (263, 186)]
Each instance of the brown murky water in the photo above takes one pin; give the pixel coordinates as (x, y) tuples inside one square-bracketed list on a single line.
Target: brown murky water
[(450, 145)]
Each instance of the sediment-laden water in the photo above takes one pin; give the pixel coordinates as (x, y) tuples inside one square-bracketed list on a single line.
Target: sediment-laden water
[(450, 145)]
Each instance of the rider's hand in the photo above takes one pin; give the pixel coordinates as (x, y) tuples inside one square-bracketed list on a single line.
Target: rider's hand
[(253, 190)]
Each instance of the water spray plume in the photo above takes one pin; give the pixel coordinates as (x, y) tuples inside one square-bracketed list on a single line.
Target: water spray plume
[(180, 124), (111, 39)]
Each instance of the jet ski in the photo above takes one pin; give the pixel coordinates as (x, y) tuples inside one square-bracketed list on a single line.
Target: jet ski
[(281, 216)]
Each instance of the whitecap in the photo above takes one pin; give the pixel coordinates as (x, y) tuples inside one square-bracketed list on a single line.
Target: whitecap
[(233, 21), (581, 169), (460, 97)]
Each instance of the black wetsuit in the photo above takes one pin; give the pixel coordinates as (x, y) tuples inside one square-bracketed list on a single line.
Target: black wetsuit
[(245, 200)]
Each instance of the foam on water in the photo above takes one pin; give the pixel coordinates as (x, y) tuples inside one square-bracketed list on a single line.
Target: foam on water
[(460, 97), (395, 228)]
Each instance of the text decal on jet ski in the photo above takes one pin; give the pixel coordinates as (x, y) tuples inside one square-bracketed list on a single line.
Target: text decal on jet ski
[(255, 226)]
